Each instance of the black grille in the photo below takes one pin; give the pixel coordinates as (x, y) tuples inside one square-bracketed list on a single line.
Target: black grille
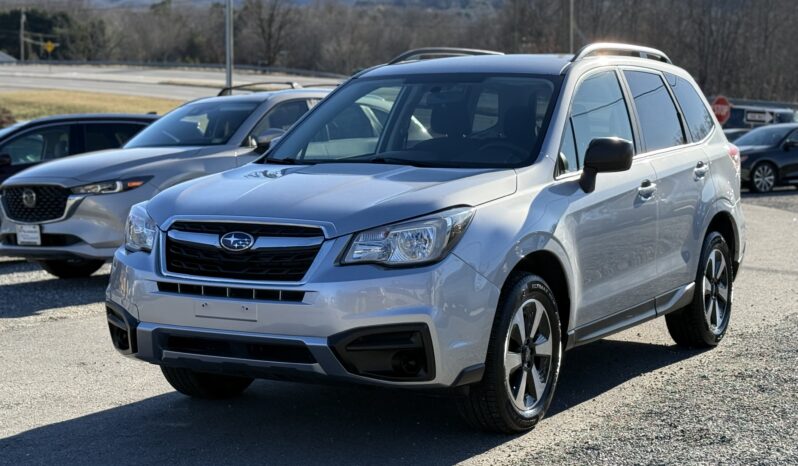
[(291, 352), (249, 294), (280, 231), (274, 264), (50, 203)]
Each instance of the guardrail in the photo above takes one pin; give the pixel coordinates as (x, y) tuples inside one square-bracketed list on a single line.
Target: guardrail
[(214, 66)]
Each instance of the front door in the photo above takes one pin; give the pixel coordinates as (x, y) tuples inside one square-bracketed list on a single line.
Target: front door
[(614, 228)]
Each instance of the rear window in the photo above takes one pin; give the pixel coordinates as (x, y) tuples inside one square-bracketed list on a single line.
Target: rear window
[(697, 117), (659, 121)]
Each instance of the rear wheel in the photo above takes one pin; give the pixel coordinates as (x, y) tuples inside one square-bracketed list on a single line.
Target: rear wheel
[(202, 385), (523, 361), (703, 323), (72, 268), (763, 178)]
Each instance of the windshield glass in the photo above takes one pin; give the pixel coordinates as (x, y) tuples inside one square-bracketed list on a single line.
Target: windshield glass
[(765, 136), (446, 121), (197, 124)]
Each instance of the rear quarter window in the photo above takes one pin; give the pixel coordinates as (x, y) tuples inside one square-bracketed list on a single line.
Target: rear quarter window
[(695, 112)]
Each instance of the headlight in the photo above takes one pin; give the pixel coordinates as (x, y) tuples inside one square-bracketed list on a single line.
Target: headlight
[(140, 229), (108, 187), (421, 241)]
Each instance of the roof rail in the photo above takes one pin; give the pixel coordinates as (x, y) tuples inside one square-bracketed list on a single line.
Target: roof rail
[(438, 52), (229, 90), (609, 48)]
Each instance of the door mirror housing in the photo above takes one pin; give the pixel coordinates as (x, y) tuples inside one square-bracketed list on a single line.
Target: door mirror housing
[(5, 160), (790, 144), (605, 155), (267, 138)]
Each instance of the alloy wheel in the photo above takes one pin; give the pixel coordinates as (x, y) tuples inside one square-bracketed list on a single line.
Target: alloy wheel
[(528, 356), (764, 178), (716, 292)]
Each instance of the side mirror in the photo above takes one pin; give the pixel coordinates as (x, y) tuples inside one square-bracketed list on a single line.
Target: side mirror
[(605, 155), (790, 144), (265, 140), (5, 160)]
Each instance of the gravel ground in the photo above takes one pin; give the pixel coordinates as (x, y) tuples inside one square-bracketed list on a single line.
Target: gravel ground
[(67, 397)]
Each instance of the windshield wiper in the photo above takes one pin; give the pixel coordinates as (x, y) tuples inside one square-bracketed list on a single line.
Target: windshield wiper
[(280, 161), (401, 161)]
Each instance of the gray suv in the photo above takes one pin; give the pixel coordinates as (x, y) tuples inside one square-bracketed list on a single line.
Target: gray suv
[(507, 208), (69, 214)]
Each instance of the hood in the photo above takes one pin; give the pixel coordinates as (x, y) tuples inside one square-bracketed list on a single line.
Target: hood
[(344, 197), (749, 149), (100, 166)]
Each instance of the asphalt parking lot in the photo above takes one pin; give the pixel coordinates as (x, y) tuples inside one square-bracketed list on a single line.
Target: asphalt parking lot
[(66, 396)]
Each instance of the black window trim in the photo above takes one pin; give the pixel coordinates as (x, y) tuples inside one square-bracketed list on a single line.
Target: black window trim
[(688, 136), (629, 109)]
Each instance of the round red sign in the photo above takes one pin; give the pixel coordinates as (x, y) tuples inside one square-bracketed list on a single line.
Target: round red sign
[(722, 109)]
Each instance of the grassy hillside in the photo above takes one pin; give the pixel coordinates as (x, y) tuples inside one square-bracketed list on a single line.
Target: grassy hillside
[(26, 105)]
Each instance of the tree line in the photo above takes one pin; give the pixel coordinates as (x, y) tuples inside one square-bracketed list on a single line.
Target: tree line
[(743, 48)]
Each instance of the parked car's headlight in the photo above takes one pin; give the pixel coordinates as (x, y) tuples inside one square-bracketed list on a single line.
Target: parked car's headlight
[(140, 229), (427, 239), (108, 187)]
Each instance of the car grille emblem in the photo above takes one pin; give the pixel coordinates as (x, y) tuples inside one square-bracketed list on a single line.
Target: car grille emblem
[(29, 198), (236, 241)]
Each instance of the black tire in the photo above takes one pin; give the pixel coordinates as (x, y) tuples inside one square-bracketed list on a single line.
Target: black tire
[(488, 405), (202, 385), (690, 327), (752, 185), (72, 268)]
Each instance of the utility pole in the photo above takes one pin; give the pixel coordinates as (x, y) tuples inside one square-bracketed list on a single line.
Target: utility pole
[(21, 35), (571, 29), (228, 44)]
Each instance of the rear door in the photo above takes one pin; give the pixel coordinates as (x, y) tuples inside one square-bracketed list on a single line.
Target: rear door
[(789, 164), (614, 228), (672, 136)]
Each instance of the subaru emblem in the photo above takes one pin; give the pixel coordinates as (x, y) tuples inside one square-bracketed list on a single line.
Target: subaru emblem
[(237, 241)]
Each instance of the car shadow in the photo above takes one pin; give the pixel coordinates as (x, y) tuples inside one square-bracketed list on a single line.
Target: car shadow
[(288, 423), (33, 297)]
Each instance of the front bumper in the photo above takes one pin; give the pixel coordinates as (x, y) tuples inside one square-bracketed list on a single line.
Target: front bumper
[(442, 312), (93, 227)]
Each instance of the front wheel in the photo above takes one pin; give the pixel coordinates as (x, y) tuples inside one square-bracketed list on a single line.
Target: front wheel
[(72, 268), (703, 323), (523, 361), (203, 385)]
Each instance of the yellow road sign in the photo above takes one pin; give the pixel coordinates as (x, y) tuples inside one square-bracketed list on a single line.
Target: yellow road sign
[(49, 46)]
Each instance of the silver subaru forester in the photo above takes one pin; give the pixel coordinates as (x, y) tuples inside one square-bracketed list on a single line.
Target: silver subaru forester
[(504, 209)]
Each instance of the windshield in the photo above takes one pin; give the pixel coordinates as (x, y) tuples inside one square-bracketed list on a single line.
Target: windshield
[(445, 121), (765, 136), (197, 124)]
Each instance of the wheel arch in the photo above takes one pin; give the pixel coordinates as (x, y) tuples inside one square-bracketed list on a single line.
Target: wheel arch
[(723, 222), (550, 267)]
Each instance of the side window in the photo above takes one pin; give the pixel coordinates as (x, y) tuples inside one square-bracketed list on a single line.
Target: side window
[(598, 110), (38, 145), (699, 121), (282, 116), (100, 136), (659, 121)]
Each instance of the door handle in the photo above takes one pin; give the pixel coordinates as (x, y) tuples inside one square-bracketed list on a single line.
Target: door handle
[(647, 190), (700, 170)]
